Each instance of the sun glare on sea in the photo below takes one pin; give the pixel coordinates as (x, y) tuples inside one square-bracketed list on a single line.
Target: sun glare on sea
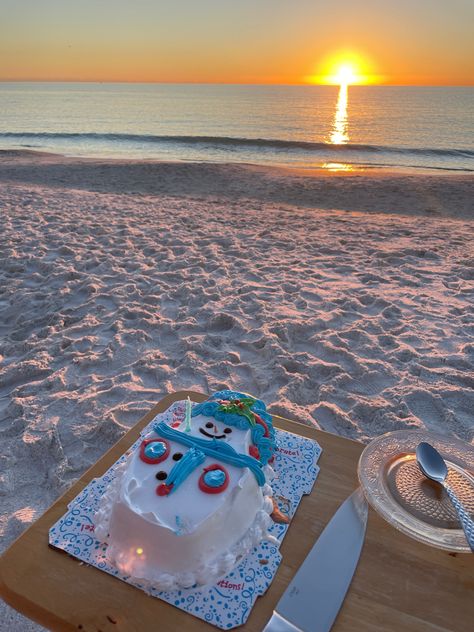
[(342, 70), (340, 128)]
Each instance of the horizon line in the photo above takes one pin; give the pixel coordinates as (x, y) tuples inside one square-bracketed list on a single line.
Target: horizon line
[(240, 83)]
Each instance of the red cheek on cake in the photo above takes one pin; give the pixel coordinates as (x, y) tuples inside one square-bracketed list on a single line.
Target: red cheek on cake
[(153, 451), (215, 486)]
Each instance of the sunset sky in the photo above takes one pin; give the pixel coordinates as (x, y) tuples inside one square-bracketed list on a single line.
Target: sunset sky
[(401, 42)]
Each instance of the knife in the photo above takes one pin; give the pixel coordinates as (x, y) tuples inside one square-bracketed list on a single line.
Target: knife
[(315, 594)]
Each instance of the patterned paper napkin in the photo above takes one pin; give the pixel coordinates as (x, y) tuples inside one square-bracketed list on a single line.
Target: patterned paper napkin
[(228, 603)]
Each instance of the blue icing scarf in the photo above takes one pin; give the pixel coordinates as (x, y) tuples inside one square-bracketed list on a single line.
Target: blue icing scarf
[(180, 472), (214, 448), (210, 408)]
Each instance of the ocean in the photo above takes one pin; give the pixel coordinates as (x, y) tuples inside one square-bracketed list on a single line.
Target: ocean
[(416, 128)]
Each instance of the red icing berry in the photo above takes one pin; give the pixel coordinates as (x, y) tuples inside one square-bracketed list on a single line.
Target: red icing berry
[(163, 489)]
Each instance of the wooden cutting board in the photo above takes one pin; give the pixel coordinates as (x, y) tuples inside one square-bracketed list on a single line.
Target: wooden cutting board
[(399, 584)]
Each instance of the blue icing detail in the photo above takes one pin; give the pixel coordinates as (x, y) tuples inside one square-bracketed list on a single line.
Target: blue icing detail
[(179, 526), (216, 478), (184, 467), (210, 408), (214, 448), (155, 450)]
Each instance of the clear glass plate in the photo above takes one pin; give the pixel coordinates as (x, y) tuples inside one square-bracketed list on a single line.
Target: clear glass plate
[(398, 491)]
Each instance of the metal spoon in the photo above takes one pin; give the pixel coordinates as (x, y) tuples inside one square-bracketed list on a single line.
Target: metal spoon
[(433, 466)]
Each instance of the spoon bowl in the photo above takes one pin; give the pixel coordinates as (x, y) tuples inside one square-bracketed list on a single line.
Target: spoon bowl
[(431, 463)]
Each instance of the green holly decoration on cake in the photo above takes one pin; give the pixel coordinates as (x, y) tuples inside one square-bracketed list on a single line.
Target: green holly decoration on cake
[(239, 407)]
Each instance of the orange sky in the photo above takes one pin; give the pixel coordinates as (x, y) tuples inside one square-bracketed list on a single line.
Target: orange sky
[(428, 42)]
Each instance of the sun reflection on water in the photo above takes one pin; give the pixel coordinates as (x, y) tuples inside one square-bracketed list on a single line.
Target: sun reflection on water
[(337, 166), (340, 128)]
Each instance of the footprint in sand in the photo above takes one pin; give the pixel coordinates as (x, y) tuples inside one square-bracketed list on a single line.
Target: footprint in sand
[(424, 406), (222, 322)]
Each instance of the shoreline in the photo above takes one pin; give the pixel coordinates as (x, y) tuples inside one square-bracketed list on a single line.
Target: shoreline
[(374, 190), (325, 166)]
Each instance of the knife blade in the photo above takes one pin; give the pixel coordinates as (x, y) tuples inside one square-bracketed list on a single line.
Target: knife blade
[(315, 594)]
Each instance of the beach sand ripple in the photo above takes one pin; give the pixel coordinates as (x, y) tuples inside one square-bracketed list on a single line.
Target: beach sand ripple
[(356, 323)]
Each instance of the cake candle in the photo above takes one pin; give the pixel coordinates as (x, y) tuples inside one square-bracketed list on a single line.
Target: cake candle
[(187, 416)]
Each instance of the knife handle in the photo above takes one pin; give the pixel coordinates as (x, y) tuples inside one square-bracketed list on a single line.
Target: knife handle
[(279, 624)]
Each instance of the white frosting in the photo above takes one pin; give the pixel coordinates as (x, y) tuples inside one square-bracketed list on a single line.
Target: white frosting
[(187, 537)]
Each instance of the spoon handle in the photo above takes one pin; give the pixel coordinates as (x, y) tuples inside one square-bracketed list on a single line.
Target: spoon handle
[(466, 521)]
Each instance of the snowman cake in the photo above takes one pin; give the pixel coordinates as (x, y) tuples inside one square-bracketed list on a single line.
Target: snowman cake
[(194, 497)]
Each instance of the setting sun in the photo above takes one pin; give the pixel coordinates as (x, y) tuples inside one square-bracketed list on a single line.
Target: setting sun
[(346, 68), (346, 75)]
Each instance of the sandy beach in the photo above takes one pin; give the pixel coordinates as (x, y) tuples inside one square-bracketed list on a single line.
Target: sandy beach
[(343, 300)]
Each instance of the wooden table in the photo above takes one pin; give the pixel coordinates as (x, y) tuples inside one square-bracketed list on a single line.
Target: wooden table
[(399, 584)]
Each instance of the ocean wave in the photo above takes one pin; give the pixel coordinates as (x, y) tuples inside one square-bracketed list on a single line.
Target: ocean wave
[(229, 142)]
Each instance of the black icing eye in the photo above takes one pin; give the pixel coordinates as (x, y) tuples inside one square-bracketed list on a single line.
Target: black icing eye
[(209, 424), (161, 475), (177, 456), (227, 430)]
